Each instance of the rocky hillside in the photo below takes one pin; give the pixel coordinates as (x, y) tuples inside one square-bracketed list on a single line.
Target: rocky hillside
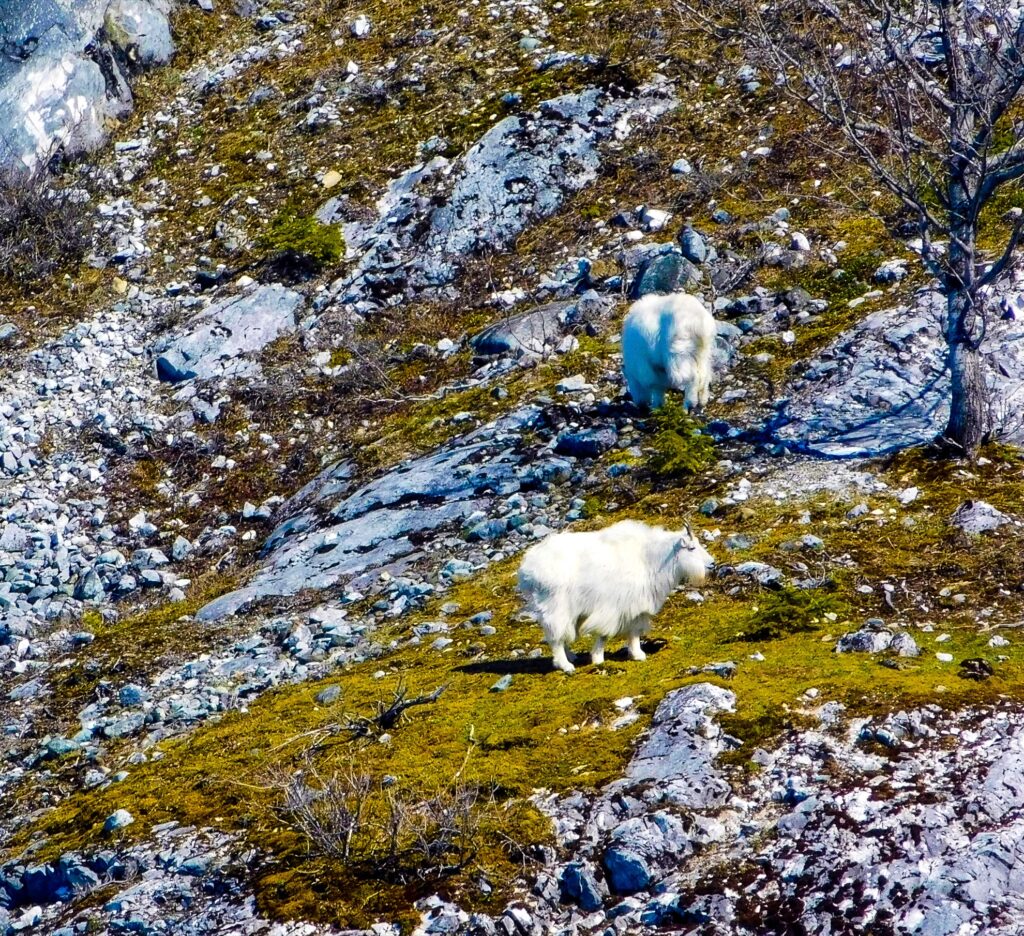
[(309, 320)]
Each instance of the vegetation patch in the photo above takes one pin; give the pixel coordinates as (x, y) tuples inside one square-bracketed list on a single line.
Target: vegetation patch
[(793, 611), (300, 247), (42, 229), (679, 447), (551, 731)]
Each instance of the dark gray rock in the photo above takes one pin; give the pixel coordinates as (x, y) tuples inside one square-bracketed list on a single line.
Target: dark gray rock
[(667, 273), (627, 871), (581, 887), (89, 587), (693, 245), (587, 443), (328, 695)]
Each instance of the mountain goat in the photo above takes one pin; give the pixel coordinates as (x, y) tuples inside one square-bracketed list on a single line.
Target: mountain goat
[(666, 344), (607, 583)]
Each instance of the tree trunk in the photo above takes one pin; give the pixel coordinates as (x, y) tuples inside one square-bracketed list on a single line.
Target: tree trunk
[(968, 405)]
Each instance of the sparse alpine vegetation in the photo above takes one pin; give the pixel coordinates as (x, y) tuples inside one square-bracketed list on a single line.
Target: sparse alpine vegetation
[(264, 661)]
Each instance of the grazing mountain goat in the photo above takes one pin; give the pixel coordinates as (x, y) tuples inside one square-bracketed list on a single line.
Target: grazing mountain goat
[(608, 583), (666, 344)]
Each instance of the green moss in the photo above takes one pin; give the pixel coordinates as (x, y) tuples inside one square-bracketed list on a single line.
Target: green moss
[(679, 448)]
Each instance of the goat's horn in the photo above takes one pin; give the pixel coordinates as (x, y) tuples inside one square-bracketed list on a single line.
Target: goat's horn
[(689, 529)]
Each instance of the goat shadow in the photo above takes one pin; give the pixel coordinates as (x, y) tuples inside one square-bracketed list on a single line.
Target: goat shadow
[(542, 664)]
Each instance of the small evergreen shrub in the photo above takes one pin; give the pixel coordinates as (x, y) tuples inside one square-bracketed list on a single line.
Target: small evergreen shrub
[(300, 246), (679, 446), (792, 611)]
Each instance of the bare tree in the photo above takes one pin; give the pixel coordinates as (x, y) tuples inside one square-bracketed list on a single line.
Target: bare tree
[(923, 93)]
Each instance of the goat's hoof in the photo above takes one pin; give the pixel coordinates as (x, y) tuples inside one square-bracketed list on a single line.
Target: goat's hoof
[(639, 656)]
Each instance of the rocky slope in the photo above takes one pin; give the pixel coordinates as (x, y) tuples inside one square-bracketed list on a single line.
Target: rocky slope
[(342, 345)]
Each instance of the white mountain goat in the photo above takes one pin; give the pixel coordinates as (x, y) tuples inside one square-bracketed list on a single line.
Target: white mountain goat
[(607, 583), (666, 344)]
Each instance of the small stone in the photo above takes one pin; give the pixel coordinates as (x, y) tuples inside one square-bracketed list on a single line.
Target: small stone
[(117, 820), (132, 695), (328, 695), (502, 684), (904, 645), (978, 517)]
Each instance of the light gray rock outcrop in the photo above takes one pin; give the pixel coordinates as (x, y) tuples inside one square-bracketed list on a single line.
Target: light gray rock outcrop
[(218, 341), (883, 386)]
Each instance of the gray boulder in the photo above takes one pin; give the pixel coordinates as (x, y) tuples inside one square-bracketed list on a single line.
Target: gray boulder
[(883, 385), (978, 517), (218, 340), (668, 273), (680, 749), (441, 211), (139, 28), (533, 332), (869, 639), (53, 94)]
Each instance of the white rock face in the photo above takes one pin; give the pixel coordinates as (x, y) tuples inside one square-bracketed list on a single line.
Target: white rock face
[(883, 386), (53, 94)]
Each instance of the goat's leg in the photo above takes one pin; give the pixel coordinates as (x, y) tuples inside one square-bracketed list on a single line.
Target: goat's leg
[(597, 653), (640, 626), (560, 659)]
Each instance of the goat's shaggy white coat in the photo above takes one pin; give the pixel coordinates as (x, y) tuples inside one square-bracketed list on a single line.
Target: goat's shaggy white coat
[(607, 583), (666, 344)]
